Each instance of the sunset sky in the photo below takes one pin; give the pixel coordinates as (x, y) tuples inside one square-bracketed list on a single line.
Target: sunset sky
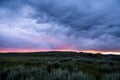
[(60, 25)]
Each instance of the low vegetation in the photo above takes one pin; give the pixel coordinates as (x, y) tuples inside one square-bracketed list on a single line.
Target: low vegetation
[(49, 66)]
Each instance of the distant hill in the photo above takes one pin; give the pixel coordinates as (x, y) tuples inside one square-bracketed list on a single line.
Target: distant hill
[(63, 54)]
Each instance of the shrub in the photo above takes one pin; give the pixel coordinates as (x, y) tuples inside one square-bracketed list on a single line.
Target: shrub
[(21, 73), (111, 76)]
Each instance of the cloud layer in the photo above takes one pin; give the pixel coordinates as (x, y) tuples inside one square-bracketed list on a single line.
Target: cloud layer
[(60, 24)]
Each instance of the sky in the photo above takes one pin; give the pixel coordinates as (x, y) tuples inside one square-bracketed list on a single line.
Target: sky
[(66, 25)]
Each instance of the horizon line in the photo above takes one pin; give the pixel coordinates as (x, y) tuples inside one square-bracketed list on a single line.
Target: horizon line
[(59, 50)]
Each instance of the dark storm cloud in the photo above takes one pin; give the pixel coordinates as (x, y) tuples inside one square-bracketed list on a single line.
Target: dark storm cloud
[(52, 24)]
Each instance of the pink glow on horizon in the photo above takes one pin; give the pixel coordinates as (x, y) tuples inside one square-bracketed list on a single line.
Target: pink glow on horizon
[(46, 50)]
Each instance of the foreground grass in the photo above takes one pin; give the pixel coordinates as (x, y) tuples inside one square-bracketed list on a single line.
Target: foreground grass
[(54, 68)]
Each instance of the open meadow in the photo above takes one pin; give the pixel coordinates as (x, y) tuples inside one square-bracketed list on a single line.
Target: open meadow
[(59, 66)]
